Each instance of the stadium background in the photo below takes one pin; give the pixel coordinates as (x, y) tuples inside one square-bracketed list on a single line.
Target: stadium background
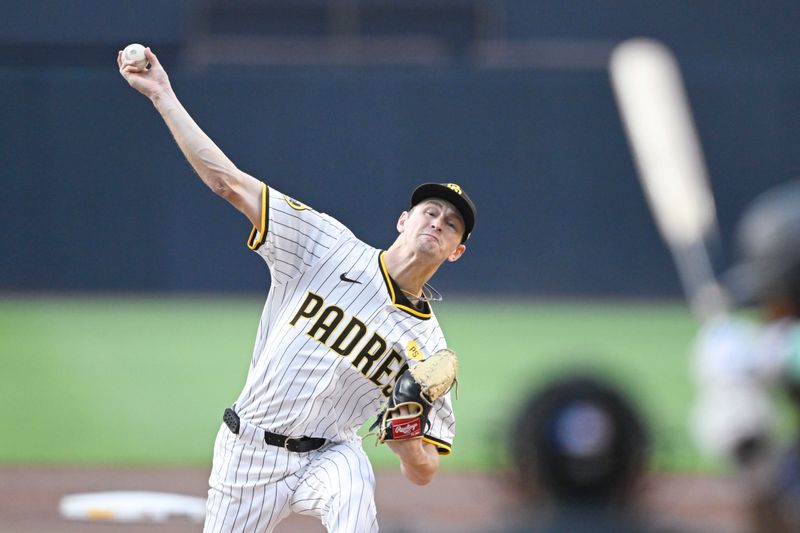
[(129, 300)]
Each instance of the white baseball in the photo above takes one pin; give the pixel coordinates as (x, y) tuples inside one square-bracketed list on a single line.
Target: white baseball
[(134, 53)]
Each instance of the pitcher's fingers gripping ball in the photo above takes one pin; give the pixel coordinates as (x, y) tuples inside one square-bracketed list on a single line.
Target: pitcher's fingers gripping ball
[(406, 412), (135, 54)]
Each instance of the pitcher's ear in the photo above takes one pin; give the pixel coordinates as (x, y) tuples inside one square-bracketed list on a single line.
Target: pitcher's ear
[(458, 252), (401, 222)]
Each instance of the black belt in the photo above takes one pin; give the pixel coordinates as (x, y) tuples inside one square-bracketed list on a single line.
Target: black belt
[(293, 444)]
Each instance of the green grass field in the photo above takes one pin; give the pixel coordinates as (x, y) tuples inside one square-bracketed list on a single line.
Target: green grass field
[(139, 380)]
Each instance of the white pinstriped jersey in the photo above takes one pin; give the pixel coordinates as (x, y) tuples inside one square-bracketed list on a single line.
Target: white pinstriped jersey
[(335, 332)]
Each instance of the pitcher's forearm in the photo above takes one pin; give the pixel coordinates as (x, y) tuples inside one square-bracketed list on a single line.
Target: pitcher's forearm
[(419, 461), (211, 164)]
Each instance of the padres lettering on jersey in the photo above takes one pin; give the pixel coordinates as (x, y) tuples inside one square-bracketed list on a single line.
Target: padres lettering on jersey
[(335, 332), (348, 338)]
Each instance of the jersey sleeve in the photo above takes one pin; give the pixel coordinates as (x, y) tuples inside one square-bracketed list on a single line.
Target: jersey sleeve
[(442, 428), (292, 236), (442, 419)]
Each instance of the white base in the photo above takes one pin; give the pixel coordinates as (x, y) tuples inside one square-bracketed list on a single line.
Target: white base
[(132, 506)]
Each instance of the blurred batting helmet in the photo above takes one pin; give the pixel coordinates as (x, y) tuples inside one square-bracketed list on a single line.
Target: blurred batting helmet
[(579, 439), (768, 247)]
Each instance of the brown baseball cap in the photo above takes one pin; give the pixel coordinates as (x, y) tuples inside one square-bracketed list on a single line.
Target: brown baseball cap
[(454, 194)]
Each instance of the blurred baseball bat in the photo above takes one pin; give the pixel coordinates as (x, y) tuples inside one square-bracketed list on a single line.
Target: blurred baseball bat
[(658, 123)]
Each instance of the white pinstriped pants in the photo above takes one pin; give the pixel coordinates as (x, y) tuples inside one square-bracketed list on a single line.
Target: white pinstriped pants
[(253, 486)]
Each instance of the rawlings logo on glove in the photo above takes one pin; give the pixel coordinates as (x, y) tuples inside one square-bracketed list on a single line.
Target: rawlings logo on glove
[(407, 409), (402, 429)]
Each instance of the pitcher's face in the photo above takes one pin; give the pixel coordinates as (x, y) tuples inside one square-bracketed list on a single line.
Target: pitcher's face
[(434, 227)]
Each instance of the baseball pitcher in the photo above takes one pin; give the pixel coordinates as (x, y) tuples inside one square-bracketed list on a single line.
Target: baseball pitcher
[(347, 333)]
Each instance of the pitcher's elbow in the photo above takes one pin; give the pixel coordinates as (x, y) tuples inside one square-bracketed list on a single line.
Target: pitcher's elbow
[(422, 480), (419, 475)]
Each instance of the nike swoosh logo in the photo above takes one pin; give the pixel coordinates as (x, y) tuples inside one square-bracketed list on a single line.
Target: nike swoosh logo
[(344, 277)]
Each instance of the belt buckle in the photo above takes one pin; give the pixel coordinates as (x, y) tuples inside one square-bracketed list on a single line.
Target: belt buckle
[(286, 442)]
